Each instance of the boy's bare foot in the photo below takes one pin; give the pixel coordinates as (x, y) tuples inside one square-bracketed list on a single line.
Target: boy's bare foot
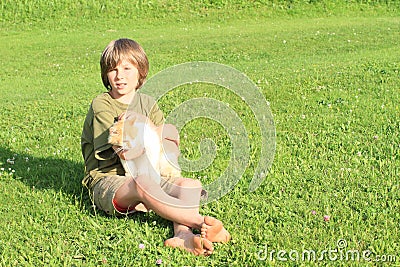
[(192, 243), (213, 230)]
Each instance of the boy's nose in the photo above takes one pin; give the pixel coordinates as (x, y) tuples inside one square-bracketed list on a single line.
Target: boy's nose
[(119, 75)]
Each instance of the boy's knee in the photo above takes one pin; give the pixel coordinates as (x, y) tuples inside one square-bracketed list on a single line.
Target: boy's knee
[(144, 185)]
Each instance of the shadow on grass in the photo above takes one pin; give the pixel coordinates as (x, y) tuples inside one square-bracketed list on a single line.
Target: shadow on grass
[(47, 173), (60, 175)]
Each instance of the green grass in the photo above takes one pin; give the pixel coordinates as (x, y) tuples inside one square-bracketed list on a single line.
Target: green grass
[(330, 72)]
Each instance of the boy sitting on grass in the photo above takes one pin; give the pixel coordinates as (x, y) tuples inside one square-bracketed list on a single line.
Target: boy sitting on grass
[(124, 68)]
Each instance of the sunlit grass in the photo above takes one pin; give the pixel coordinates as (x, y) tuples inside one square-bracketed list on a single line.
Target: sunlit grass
[(333, 87)]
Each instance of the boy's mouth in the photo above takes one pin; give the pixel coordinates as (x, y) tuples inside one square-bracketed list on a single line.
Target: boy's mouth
[(120, 85)]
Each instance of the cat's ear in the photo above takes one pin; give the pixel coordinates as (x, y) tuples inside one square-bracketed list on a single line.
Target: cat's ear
[(122, 116)]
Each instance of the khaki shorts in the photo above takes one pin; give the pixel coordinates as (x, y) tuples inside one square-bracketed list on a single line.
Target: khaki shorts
[(104, 191)]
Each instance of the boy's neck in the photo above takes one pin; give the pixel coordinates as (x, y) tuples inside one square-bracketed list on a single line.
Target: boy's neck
[(125, 99)]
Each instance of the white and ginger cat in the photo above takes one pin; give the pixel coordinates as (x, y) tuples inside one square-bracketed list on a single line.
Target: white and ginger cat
[(136, 132)]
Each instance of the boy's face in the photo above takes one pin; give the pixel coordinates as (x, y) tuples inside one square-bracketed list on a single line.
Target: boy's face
[(123, 79)]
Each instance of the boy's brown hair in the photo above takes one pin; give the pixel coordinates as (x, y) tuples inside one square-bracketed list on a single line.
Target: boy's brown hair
[(123, 49)]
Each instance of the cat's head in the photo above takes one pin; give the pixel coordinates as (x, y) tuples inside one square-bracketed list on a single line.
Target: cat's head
[(121, 131), (116, 134)]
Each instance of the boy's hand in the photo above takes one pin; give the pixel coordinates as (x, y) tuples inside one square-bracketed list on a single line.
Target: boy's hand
[(170, 133)]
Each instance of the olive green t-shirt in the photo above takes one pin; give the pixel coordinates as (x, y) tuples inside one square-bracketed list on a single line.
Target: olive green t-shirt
[(100, 159)]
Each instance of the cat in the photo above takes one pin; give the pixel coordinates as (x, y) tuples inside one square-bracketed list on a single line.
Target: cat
[(135, 132)]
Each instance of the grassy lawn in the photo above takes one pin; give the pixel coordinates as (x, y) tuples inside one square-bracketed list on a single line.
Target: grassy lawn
[(330, 72)]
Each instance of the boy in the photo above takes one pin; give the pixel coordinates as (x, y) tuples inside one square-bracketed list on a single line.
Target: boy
[(124, 68)]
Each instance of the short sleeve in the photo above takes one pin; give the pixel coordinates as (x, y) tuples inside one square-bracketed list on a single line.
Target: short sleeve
[(146, 105), (156, 115), (102, 121)]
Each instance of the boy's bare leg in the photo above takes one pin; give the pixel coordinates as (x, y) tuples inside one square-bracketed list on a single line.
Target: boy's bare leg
[(188, 190), (144, 190)]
